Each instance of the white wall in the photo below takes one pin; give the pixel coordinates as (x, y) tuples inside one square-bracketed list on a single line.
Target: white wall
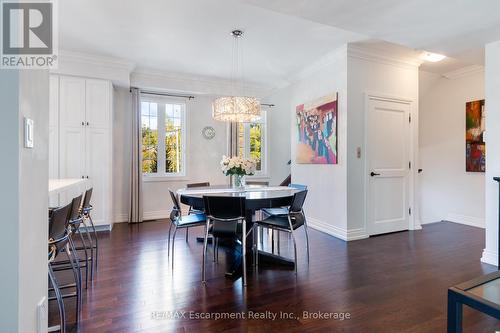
[(278, 138), (326, 203), (447, 191), (370, 74), (24, 193), (492, 84)]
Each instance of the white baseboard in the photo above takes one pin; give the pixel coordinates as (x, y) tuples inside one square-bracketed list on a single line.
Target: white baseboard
[(156, 215), (121, 218), (341, 233), (490, 257), (102, 227), (467, 220)]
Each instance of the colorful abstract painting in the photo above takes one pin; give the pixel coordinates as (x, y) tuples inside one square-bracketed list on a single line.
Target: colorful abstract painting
[(317, 131), (475, 155)]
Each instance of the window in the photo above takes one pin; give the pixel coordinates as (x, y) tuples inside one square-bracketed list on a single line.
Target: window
[(161, 118), (252, 143)]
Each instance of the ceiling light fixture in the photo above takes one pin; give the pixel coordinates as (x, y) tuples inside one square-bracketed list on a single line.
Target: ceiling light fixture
[(237, 107), (432, 57)]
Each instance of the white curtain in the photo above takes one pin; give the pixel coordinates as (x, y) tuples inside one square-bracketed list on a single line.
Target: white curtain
[(135, 215)]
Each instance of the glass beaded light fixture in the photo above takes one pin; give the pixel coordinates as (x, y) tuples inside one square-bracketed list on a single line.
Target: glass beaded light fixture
[(236, 108)]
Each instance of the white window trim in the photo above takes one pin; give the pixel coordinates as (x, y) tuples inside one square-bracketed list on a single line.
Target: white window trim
[(263, 173), (164, 176)]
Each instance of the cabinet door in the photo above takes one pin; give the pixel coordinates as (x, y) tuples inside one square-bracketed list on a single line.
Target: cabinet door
[(71, 101), (98, 166), (97, 103)]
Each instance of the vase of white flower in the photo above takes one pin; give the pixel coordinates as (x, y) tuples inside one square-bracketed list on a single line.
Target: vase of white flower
[(238, 167)]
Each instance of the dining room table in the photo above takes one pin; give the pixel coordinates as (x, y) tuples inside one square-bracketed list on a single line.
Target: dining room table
[(257, 197)]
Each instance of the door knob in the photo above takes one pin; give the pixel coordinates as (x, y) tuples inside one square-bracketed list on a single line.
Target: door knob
[(374, 174)]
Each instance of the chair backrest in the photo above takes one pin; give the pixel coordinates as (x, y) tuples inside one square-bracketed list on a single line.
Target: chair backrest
[(298, 186), (58, 222), (88, 196), (224, 207), (298, 201), (254, 182), (204, 184), (75, 208), (177, 206)]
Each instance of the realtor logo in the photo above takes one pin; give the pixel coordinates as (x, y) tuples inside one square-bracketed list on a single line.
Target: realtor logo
[(28, 35)]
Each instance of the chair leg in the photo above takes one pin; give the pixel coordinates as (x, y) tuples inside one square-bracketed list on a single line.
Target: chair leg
[(96, 241), (168, 239), (203, 277), (278, 237), (307, 241), (60, 302), (86, 259), (294, 250), (214, 243), (244, 251), (261, 236), (187, 234), (173, 244), (255, 246), (91, 247), (217, 249), (77, 280), (272, 241)]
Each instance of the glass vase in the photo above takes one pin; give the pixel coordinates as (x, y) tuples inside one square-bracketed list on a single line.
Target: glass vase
[(239, 181)]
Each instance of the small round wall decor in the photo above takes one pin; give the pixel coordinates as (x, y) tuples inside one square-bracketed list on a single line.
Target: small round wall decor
[(208, 132)]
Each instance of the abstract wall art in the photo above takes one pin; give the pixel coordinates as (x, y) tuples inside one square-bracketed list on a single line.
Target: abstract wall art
[(475, 150), (316, 123)]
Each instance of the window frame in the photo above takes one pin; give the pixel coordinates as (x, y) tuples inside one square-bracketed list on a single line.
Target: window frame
[(161, 118), (263, 173)]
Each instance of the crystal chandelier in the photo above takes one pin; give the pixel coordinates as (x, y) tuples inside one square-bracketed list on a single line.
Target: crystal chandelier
[(234, 108)]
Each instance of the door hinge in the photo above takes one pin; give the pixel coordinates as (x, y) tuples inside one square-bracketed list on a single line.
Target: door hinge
[(409, 118), (409, 211), (409, 165)]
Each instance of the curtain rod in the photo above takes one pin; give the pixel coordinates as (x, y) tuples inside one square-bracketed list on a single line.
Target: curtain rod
[(148, 92)]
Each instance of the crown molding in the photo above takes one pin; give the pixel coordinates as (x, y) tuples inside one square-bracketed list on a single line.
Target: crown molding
[(95, 66), (379, 56), (464, 72), (189, 83)]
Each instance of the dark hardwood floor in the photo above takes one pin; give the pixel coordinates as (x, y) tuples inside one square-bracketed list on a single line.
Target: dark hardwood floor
[(391, 283)]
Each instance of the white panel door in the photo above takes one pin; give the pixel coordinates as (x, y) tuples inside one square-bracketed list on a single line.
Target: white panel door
[(97, 103), (71, 101), (98, 163), (388, 162)]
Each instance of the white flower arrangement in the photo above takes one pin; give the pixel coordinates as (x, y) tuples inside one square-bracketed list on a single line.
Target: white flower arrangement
[(237, 166)]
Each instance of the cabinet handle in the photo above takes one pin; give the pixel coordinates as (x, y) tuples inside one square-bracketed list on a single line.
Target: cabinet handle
[(87, 177), (87, 123), (83, 124), (83, 177)]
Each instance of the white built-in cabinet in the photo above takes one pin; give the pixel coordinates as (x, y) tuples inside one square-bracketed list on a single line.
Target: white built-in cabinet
[(81, 138)]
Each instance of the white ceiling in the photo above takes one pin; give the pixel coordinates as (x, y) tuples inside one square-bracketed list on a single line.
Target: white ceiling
[(192, 36), (456, 28), (281, 36)]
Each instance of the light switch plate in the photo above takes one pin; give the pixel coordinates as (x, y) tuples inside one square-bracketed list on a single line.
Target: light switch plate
[(28, 133)]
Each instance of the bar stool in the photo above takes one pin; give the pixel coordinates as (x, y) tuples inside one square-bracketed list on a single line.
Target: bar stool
[(86, 209), (59, 241)]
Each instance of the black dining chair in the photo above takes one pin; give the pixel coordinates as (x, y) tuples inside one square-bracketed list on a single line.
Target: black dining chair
[(294, 219), (225, 219), (278, 211), (178, 221), (195, 209), (60, 241)]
